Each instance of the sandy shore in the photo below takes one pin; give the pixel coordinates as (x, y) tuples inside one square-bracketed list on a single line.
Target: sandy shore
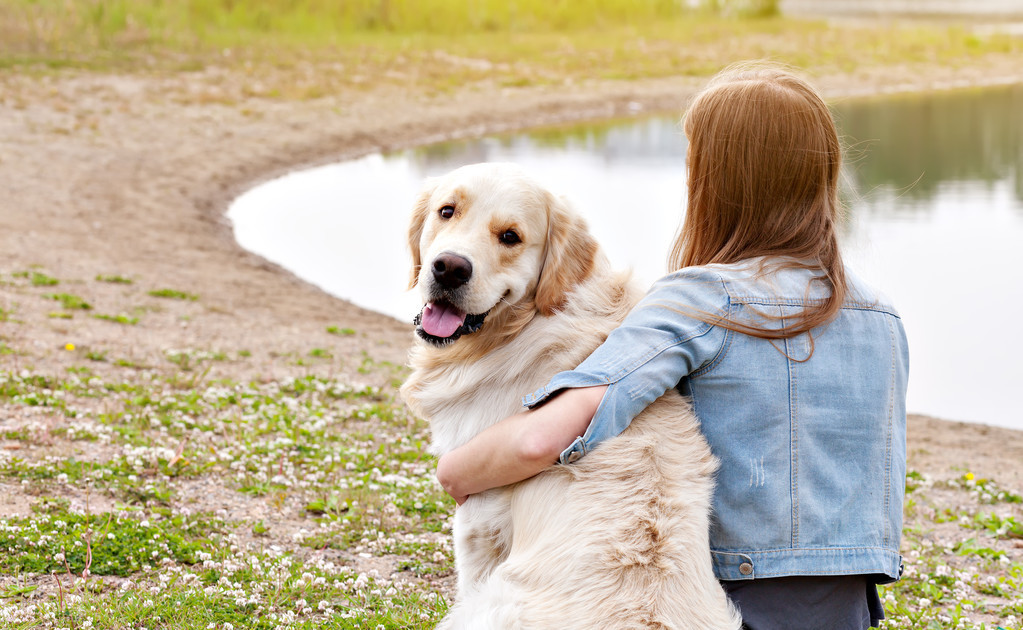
[(131, 176)]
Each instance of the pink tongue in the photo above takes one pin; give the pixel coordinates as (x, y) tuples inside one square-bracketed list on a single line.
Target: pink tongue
[(441, 320)]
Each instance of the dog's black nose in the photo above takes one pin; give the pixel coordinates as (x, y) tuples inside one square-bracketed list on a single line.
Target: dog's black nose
[(451, 271)]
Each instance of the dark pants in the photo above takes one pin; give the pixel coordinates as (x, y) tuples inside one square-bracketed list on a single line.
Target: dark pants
[(833, 602)]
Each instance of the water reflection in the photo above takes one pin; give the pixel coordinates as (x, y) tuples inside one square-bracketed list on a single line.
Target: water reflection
[(612, 142), (935, 218), (916, 144)]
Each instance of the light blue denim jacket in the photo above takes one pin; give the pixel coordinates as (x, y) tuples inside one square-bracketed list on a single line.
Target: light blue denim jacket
[(812, 450)]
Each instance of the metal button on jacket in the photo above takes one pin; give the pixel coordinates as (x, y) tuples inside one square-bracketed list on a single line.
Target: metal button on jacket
[(746, 568)]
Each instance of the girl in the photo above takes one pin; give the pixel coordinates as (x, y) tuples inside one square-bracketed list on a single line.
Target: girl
[(796, 369)]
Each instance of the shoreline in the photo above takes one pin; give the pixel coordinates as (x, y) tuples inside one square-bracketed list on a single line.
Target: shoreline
[(649, 101), (78, 217), (112, 178)]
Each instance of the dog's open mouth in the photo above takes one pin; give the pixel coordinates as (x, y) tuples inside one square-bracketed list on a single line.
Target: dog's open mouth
[(442, 322)]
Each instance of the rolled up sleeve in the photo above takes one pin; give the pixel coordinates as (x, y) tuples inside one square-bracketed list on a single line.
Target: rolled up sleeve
[(660, 342)]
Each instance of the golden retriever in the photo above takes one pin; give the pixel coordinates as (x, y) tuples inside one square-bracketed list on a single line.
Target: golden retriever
[(515, 291)]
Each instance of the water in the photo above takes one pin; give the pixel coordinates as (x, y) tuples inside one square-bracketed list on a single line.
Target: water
[(935, 219)]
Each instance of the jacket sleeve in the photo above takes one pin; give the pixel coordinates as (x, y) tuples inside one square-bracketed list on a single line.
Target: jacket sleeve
[(663, 339)]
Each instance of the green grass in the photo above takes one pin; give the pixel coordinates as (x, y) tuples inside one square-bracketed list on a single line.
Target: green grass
[(350, 463), (186, 572), (106, 544), (69, 301), (348, 453), (223, 21), (173, 294), (36, 278), (42, 280), (441, 45), (120, 318)]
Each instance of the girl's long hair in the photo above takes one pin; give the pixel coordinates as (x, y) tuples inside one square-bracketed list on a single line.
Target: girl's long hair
[(764, 160)]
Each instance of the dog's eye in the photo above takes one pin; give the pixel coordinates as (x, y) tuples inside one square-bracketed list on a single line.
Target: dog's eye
[(509, 237), (447, 212)]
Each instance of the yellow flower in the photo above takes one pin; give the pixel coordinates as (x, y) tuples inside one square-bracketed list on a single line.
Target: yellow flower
[(968, 476), (69, 347)]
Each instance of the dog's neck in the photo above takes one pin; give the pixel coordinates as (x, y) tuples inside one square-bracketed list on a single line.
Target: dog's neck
[(464, 388), (471, 384)]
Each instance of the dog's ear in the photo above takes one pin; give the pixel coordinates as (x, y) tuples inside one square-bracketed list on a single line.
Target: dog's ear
[(420, 212), (568, 256)]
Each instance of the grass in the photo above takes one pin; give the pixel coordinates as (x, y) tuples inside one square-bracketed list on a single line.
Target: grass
[(114, 279), (69, 302), (315, 48), (329, 473), (173, 294), (953, 577), (120, 318), (361, 476), (104, 544)]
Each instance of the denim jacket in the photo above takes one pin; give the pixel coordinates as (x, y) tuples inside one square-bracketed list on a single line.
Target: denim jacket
[(810, 431)]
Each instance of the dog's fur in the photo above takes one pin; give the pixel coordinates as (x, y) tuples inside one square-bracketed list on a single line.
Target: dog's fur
[(618, 539)]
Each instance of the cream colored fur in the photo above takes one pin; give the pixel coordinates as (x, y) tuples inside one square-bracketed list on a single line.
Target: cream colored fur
[(618, 540)]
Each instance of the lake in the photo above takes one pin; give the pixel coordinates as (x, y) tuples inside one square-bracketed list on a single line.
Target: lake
[(933, 190)]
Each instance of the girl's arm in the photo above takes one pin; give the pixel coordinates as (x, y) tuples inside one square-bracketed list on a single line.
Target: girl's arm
[(519, 446), (656, 345)]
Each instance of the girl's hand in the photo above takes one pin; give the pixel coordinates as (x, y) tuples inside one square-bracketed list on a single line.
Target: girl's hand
[(448, 482)]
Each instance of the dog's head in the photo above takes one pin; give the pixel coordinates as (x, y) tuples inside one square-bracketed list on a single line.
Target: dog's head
[(488, 241)]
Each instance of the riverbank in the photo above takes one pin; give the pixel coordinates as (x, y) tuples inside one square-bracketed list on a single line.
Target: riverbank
[(137, 340)]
